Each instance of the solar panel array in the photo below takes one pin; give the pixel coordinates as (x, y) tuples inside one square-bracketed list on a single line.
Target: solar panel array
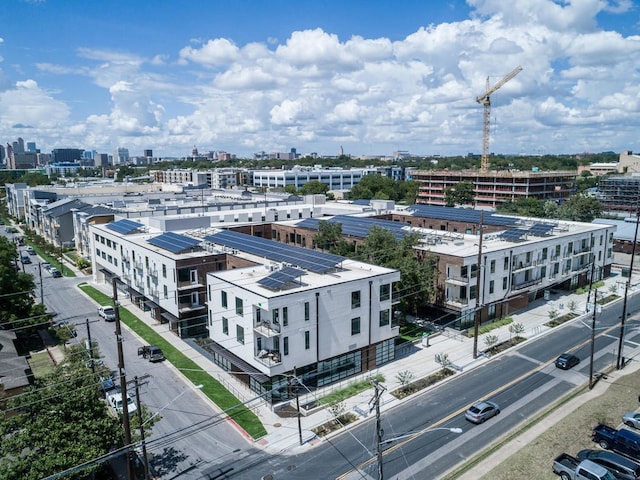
[(459, 214), (513, 234), (124, 226), (281, 277), (174, 242), (313, 260), (356, 226), (541, 229)]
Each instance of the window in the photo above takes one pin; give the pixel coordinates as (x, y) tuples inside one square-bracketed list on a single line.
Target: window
[(275, 315), (491, 286), (285, 316), (306, 311), (285, 346), (544, 253), (557, 251), (225, 325), (146, 262), (504, 283), (307, 340), (355, 299), (464, 271), (570, 248), (223, 298), (474, 271), (472, 292), (384, 318), (240, 334), (164, 271), (556, 268), (385, 292), (355, 326), (492, 267), (165, 290), (506, 263), (239, 307)]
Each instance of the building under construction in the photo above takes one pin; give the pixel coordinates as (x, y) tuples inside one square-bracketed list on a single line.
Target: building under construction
[(492, 189)]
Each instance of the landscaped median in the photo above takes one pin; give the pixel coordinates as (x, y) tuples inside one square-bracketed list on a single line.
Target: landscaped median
[(213, 389)]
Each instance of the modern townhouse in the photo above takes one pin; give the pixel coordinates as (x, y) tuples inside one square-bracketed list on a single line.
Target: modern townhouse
[(296, 311)]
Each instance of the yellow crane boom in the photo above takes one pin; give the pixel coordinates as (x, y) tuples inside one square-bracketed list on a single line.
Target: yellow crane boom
[(485, 100)]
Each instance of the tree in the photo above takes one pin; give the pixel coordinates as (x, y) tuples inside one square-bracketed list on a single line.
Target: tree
[(329, 237), (405, 377), (314, 188), (580, 208)]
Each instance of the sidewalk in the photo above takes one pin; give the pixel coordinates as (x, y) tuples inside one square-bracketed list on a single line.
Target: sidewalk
[(283, 434)]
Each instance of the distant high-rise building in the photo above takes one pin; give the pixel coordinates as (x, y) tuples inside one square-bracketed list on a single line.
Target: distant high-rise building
[(121, 156), (101, 159), (148, 153), (194, 151), (66, 154), (31, 147), (2, 154), (89, 154)]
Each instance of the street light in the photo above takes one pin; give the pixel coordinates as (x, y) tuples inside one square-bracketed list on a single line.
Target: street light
[(408, 435)]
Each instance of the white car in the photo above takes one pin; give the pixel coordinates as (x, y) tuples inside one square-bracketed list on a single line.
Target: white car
[(108, 313), (115, 401)]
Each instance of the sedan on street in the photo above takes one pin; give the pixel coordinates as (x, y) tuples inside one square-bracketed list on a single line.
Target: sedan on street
[(567, 361), (631, 419), (481, 411)]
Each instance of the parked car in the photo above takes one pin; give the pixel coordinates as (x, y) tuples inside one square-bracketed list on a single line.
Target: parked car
[(570, 468), (46, 266), (621, 467), (107, 312), (115, 401), (481, 411), (622, 441), (567, 361), (70, 327), (31, 251), (55, 273), (151, 352), (631, 419), (24, 256)]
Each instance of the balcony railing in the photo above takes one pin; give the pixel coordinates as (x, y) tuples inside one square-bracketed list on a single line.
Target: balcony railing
[(522, 285), (138, 265), (457, 280), (267, 329), (269, 357), (457, 302)]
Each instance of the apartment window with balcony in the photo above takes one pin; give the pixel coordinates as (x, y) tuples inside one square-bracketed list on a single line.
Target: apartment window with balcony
[(544, 253), (355, 326), (240, 334), (307, 340), (528, 257), (385, 292), (223, 299), (384, 318), (506, 263), (557, 251), (239, 307), (285, 316), (464, 271), (492, 266), (472, 292), (504, 283), (285, 346), (306, 311), (275, 316), (474, 270), (491, 286), (556, 268), (225, 325), (355, 299), (543, 272), (195, 299), (570, 248)]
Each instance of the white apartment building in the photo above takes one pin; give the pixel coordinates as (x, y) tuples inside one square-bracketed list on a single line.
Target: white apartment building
[(334, 178), (216, 178), (324, 316)]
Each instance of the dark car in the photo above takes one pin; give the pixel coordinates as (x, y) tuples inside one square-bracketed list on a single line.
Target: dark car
[(567, 361), (481, 411), (621, 467), (55, 273)]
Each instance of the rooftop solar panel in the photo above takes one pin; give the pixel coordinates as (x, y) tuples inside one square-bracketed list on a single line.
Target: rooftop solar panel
[(541, 229), (513, 234), (459, 214), (302, 257), (174, 242), (356, 226), (281, 277), (124, 226)]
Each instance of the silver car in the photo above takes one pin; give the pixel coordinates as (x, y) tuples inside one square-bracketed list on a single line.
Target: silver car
[(631, 419), (481, 411)]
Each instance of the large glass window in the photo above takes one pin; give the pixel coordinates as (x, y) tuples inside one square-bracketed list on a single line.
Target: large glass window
[(240, 334), (275, 315), (239, 307), (225, 325), (384, 317), (223, 299), (355, 299), (385, 292), (355, 326)]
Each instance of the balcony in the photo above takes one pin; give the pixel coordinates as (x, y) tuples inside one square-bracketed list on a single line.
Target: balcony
[(190, 307), (457, 280), (186, 285), (267, 329), (457, 302), (138, 265), (154, 294), (269, 358), (153, 274), (523, 285)]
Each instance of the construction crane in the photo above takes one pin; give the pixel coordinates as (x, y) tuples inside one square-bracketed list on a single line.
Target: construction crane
[(485, 100)]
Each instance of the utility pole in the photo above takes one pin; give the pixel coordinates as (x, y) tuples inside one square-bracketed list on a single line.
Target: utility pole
[(41, 285), (379, 432), (593, 337), (479, 284), (126, 426), (93, 367), (145, 460), (620, 360)]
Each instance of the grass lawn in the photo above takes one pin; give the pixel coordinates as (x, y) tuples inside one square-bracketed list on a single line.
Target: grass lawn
[(211, 387), (570, 435), (41, 364)]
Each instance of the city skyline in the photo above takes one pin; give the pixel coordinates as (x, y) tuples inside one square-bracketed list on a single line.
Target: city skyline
[(366, 77)]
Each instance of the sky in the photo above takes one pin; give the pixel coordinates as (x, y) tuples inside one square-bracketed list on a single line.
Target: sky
[(363, 77)]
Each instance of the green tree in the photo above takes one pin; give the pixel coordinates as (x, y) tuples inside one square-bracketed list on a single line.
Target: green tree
[(16, 301), (461, 194), (313, 188), (580, 208), (329, 237)]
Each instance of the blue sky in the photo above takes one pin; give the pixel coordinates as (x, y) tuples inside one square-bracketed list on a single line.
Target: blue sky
[(371, 76)]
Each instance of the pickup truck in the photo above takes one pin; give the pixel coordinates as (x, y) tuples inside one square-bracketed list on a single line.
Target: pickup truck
[(621, 441), (570, 468), (151, 352)]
